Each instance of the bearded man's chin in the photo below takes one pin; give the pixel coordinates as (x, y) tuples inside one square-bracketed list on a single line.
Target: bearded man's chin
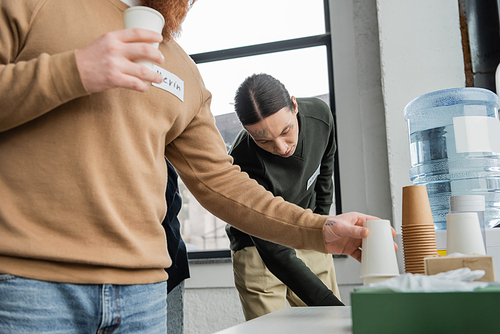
[(174, 12)]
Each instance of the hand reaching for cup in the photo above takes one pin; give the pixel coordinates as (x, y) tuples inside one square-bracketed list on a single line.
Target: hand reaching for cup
[(345, 232), (108, 62)]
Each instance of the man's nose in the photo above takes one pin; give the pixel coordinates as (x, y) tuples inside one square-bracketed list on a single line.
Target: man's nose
[(281, 147)]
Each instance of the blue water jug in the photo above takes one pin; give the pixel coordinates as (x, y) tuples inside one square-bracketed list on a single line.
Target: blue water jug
[(455, 148)]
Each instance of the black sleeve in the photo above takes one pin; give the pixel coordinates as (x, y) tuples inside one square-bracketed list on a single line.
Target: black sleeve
[(288, 268), (179, 270), (324, 184)]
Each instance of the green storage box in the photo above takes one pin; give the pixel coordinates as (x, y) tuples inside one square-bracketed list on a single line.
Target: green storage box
[(385, 311)]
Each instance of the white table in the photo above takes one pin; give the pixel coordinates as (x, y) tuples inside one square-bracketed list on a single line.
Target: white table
[(298, 320)]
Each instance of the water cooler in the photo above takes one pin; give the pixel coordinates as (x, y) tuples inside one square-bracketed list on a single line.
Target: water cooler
[(455, 150)]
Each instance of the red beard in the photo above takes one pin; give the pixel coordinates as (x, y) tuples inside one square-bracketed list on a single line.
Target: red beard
[(174, 12)]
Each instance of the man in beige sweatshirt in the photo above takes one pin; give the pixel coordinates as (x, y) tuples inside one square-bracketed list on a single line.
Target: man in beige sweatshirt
[(83, 136)]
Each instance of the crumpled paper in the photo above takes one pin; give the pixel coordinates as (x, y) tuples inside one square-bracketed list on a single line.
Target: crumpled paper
[(453, 280)]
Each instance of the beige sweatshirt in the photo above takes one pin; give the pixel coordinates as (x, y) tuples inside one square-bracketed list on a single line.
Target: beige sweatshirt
[(83, 176)]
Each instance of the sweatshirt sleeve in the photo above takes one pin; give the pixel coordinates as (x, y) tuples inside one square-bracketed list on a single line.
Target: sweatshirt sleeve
[(288, 268), (31, 87), (200, 158)]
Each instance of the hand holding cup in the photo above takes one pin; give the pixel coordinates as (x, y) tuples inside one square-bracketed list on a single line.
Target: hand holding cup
[(344, 233), (107, 62), (124, 58)]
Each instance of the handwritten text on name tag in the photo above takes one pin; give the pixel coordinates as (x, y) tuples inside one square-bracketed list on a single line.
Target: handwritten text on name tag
[(171, 83)]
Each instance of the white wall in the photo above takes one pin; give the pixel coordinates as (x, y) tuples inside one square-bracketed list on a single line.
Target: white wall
[(359, 104), (386, 52), (420, 52)]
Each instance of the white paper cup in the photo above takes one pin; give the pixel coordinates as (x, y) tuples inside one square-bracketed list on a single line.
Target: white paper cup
[(145, 18), (463, 234), (378, 256)]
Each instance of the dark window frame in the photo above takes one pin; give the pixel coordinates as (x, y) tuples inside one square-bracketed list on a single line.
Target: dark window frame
[(273, 47)]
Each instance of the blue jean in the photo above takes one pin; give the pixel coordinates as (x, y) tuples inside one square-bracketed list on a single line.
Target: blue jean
[(32, 306)]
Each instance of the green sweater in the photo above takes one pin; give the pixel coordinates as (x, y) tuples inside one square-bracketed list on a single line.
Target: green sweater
[(304, 179)]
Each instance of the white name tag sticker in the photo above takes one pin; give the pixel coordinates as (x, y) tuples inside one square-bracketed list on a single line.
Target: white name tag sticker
[(476, 134), (171, 82), (313, 178)]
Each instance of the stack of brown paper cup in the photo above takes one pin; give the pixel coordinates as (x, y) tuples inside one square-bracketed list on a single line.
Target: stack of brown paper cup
[(419, 236)]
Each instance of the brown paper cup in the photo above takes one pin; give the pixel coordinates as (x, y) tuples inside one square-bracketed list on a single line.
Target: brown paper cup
[(418, 256), (419, 249), (420, 246), (415, 250), (418, 260), (412, 228), (419, 241), (416, 207), (419, 234)]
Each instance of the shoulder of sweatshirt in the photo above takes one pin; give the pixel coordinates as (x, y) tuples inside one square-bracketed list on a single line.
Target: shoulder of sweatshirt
[(22, 6), (315, 108), (18, 15)]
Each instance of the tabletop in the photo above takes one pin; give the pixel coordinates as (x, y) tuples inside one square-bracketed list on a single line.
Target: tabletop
[(295, 320)]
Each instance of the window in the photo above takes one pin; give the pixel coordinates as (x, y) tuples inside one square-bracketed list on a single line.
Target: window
[(230, 40)]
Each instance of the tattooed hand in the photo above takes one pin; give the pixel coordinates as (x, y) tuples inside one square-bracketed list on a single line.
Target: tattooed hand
[(344, 233)]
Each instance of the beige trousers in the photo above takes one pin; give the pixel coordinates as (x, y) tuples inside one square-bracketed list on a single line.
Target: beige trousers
[(262, 293)]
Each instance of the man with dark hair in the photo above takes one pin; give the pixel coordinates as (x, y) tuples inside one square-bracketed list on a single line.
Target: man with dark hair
[(287, 145)]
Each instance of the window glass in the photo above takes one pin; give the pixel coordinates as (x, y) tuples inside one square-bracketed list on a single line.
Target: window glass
[(304, 73), (222, 24)]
